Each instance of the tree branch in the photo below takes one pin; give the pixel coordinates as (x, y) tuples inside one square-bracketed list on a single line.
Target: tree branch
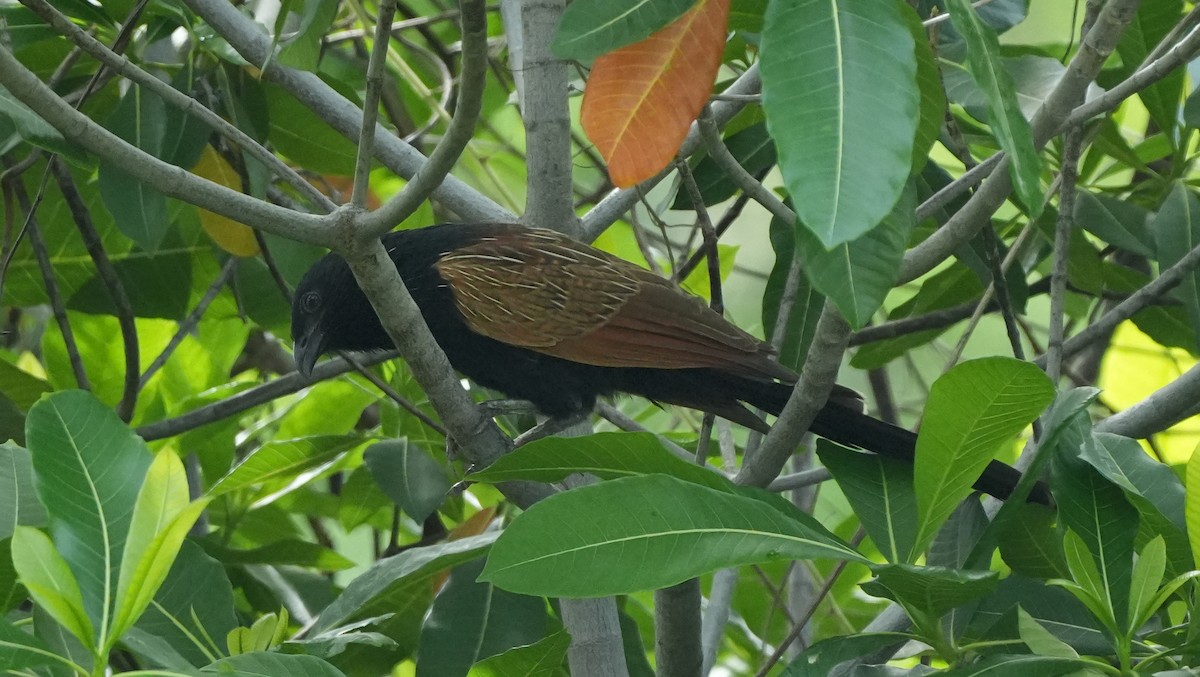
[(1053, 113), (343, 116), (816, 381), (164, 177), (547, 118), (108, 275), (436, 169)]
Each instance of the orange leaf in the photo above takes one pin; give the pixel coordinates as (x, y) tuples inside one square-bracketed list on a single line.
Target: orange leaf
[(474, 525), (641, 100), (233, 237)]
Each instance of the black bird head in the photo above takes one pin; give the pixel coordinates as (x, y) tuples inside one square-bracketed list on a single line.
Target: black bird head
[(330, 312)]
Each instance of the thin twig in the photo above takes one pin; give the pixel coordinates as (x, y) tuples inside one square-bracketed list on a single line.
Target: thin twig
[(120, 64), (1136, 301), (709, 234), (48, 278), (798, 628), (733, 169), (457, 136), (395, 396), (253, 397), (191, 321), (727, 219), (112, 283), (366, 138), (1062, 245)]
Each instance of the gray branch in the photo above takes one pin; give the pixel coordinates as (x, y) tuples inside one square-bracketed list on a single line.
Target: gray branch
[(470, 101), (1054, 112), (162, 176), (816, 380), (342, 115), (547, 118)]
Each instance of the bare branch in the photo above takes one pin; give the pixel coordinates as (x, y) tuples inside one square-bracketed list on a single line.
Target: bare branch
[(339, 113), (366, 136), (121, 65), (108, 276), (470, 101), (816, 380), (164, 177), (1054, 111)]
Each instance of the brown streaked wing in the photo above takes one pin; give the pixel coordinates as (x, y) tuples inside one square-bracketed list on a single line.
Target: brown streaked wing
[(534, 288), (543, 291), (668, 329)]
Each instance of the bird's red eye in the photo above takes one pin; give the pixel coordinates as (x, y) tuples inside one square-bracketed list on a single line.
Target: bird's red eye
[(310, 302)]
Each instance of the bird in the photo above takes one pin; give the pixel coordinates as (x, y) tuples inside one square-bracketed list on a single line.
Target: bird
[(541, 317)]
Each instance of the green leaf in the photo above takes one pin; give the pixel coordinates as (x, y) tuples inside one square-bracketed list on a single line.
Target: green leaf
[(1193, 507), (33, 128), (820, 659), (1117, 222), (747, 15), (1054, 608), (1151, 23), (285, 551), (1008, 124), (140, 211), (958, 537), (806, 304), (11, 591), (362, 501), (1088, 584), (1040, 640), (606, 455), (20, 386), (162, 517), (1152, 487), (20, 650), (18, 503), (302, 48), (543, 658), (418, 565), (409, 476), (283, 460), (1031, 545), (971, 410), (625, 535), (857, 275), (1034, 78), (590, 28), (306, 139), (262, 664), (1143, 586), (337, 640), (193, 607), (49, 580), (1021, 665), (471, 621), (880, 491), (1098, 514), (1068, 408), (841, 103), (89, 468), (1177, 231), (267, 632), (931, 590)]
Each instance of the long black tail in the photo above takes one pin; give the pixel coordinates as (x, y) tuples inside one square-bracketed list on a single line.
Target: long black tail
[(845, 425)]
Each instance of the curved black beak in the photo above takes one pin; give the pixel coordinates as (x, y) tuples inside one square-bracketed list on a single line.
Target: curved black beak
[(308, 348)]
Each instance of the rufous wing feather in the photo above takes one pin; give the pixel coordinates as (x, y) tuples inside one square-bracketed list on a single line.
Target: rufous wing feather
[(543, 291)]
